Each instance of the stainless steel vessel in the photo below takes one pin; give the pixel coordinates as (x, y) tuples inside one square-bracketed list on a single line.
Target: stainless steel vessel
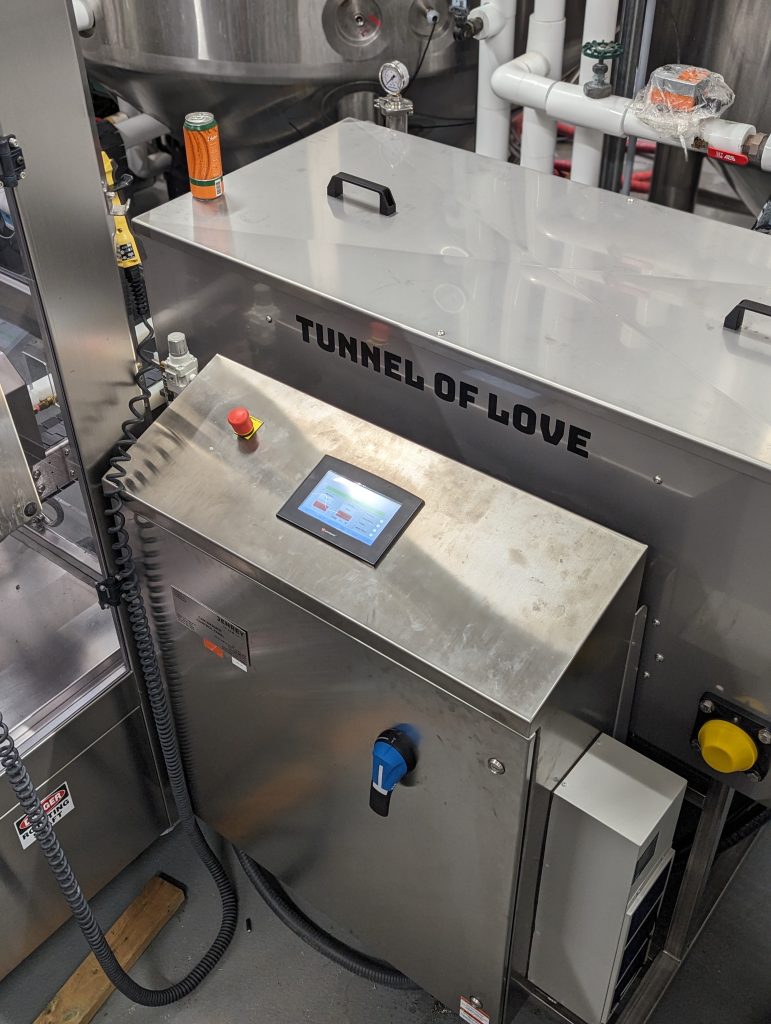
[(494, 633), (271, 71), (590, 327)]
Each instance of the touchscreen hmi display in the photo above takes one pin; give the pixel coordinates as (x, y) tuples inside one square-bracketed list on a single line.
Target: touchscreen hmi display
[(350, 507)]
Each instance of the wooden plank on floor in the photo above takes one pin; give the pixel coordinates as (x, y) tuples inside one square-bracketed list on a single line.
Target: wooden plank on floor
[(87, 990)]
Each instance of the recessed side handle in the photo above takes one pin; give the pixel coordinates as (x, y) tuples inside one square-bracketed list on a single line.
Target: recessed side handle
[(335, 190), (735, 318)]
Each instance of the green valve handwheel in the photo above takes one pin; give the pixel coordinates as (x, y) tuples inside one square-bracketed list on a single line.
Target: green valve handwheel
[(600, 49)]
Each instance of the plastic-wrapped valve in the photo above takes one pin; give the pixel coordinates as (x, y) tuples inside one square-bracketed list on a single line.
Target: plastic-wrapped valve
[(678, 97)]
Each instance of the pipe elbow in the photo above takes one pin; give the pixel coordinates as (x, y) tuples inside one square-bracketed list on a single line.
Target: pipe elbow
[(522, 80)]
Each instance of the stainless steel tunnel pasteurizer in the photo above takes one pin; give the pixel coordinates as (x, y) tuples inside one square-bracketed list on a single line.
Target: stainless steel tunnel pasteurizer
[(565, 339), (329, 597)]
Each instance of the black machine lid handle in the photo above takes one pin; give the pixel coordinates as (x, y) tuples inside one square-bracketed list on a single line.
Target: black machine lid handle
[(335, 190), (735, 318)]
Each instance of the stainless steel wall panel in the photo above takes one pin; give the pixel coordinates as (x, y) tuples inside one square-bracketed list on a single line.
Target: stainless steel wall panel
[(54, 660), (109, 826)]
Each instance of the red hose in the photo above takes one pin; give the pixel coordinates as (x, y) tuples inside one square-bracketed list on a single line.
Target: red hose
[(641, 180)]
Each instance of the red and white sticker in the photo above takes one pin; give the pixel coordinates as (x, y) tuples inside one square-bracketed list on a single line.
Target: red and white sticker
[(56, 805), (471, 1014)]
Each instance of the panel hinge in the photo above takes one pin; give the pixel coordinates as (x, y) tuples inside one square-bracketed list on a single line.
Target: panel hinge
[(12, 164), (55, 471), (108, 592)]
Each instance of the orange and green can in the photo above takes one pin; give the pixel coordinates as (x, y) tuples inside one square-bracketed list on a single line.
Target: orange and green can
[(204, 157)]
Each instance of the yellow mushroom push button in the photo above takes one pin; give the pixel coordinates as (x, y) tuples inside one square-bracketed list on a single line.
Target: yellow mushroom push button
[(726, 747)]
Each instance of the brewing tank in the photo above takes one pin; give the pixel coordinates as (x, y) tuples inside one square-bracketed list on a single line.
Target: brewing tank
[(273, 70)]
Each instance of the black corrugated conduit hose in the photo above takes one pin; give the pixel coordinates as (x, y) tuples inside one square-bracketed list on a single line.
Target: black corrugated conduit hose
[(338, 952)]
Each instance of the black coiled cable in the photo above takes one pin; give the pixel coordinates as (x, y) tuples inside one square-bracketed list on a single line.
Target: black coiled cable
[(135, 291), (24, 789)]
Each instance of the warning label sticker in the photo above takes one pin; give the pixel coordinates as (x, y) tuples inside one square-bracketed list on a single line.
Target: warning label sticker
[(471, 1014), (56, 805), (220, 635)]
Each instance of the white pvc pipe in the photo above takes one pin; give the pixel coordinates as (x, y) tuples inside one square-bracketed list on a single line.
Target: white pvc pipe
[(140, 128), (144, 164), (493, 129), (600, 24), (84, 15), (546, 35), (611, 116)]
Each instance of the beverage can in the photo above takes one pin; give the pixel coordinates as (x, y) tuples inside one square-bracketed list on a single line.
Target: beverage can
[(204, 157)]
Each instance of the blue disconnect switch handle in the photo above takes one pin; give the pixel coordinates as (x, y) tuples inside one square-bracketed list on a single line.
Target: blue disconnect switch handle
[(393, 757)]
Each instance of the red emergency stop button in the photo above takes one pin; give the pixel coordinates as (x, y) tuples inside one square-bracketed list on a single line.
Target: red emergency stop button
[(241, 421)]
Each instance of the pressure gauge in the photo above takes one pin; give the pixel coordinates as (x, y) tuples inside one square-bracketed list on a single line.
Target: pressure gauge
[(394, 77)]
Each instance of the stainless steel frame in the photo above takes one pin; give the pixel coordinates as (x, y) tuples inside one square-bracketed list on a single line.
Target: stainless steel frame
[(689, 916), (71, 701), (61, 210)]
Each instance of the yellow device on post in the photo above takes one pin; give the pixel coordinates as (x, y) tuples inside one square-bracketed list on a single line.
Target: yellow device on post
[(126, 248)]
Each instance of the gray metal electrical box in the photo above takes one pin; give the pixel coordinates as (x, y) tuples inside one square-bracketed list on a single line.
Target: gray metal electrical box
[(493, 631), (606, 864)]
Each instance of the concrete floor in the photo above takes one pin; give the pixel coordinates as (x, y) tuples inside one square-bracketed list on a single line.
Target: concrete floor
[(270, 976)]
